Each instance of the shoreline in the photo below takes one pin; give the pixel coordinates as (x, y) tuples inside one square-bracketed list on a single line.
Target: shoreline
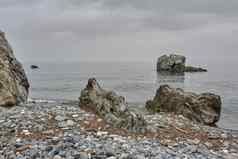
[(133, 106), (50, 130)]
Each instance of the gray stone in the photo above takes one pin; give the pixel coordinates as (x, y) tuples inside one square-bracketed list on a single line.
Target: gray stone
[(109, 151), (84, 155), (57, 157), (70, 123), (60, 118), (125, 156), (140, 157)]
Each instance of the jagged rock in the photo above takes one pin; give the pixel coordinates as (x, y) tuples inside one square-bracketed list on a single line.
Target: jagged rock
[(194, 69), (175, 64), (172, 63), (111, 107), (13, 81), (204, 108)]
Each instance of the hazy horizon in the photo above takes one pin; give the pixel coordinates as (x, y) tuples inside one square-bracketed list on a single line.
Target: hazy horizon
[(120, 30)]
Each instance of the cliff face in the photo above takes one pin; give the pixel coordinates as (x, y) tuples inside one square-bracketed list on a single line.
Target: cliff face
[(14, 85)]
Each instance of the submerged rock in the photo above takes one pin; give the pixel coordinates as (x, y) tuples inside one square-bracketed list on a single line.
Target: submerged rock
[(175, 64), (204, 108), (111, 107), (13, 81), (34, 67), (194, 69)]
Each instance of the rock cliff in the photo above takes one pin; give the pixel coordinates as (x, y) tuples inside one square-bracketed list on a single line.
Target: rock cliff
[(13, 81)]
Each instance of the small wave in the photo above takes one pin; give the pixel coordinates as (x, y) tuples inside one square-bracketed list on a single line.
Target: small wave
[(41, 101)]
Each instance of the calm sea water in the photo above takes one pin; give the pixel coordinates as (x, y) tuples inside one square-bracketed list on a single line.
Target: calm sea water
[(136, 81)]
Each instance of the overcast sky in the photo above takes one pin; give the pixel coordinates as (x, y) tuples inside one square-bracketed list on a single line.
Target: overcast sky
[(137, 30)]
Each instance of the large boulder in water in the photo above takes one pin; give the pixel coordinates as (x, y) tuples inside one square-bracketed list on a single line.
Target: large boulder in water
[(204, 108), (172, 63), (175, 64), (111, 107), (13, 81)]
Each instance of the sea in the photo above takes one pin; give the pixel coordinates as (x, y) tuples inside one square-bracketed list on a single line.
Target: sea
[(137, 81)]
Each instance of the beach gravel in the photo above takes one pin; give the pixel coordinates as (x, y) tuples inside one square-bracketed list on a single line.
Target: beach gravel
[(61, 130)]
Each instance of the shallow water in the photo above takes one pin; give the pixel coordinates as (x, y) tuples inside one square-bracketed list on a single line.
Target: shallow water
[(136, 81)]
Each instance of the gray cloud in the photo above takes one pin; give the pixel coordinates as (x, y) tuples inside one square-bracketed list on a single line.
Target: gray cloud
[(119, 29)]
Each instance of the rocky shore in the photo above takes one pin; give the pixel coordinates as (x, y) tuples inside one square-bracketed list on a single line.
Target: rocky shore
[(61, 130), (102, 125)]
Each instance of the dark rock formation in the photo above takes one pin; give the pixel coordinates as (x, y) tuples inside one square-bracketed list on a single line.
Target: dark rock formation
[(34, 67), (13, 81), (111, 107), (194, 69), (175, 64), (171, 63), (204, 108)]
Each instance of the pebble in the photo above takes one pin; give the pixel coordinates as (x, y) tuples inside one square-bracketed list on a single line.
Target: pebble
[(84, 155), (57, 157), (70, 123), (26, 132), (75, 115), (140, 157), (61, 142), (124, 156), (195, 141), (102, 133), (60, 118)]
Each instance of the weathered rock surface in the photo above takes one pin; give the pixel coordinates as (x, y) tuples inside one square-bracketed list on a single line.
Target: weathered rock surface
[(111, 107), (13, 81), (172, 63), (204, 108), (175, 64)]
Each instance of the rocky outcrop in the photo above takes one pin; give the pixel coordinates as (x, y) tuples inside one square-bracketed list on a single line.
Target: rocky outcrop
[(13, 81), (175, 64), (172, 63), (111, 107), (204, 108)]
